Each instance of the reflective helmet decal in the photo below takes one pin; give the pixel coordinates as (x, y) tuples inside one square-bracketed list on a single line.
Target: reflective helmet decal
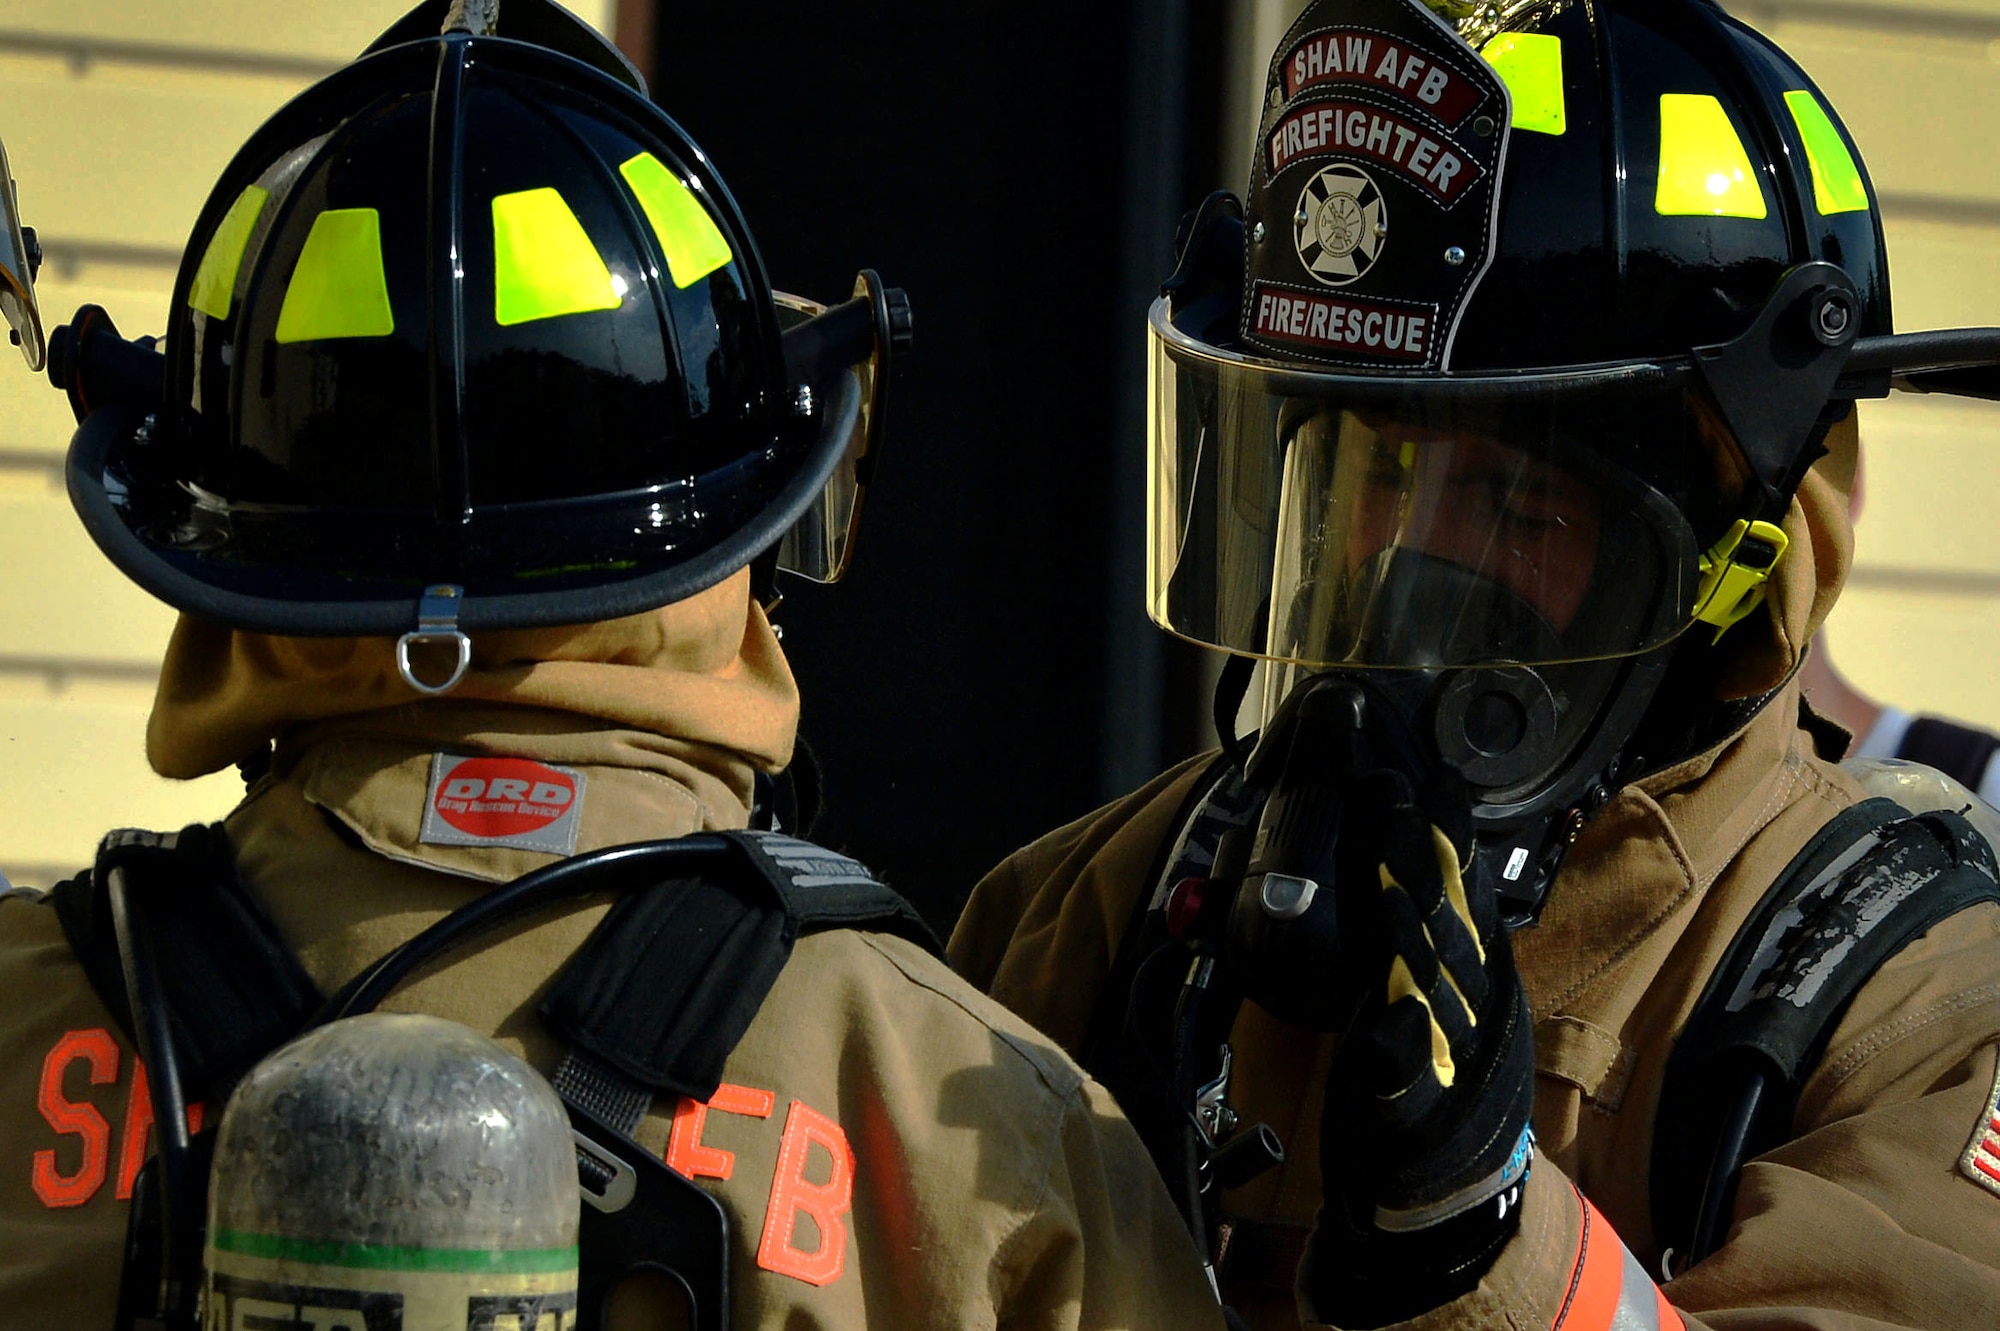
[(338, 288), (214, 289), (543, 262), (1837, 183), (1531, 65), (1704, 169), (688, 236), (1380, 154)]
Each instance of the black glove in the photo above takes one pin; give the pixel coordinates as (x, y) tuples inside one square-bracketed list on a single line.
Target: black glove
[(1424, 1140)]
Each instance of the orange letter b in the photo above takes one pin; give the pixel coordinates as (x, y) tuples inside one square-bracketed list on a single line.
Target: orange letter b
[(825, 1203)]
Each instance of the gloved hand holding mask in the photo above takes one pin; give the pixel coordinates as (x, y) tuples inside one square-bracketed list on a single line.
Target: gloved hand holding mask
[(1424, 1137)]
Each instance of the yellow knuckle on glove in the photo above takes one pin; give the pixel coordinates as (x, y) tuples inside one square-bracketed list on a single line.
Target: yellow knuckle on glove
[(1403, 985)]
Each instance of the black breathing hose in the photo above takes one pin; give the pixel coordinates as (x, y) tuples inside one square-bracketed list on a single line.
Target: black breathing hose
[(152, 1030), (684, 856)]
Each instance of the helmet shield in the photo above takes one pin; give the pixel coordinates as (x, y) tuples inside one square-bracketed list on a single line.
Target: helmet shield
[(1358, 520), (17, 273), (820, 545)]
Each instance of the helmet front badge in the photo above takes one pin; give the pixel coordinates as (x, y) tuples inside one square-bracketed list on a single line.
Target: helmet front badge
[(1340, 224)]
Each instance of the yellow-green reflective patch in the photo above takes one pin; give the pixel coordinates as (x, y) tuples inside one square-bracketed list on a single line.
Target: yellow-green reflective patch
[(543, 263), (693, 244), (1837, 183), (214, 289), (338, 288), (1531, 65), (1704, 171)]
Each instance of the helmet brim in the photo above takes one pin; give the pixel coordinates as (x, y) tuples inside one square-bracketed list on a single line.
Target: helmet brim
[(273, 599)]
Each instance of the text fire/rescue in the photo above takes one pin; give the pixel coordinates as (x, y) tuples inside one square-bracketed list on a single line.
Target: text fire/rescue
[(1354, 328)]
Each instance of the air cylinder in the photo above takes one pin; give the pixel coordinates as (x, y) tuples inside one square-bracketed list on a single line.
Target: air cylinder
[(393, 1173)]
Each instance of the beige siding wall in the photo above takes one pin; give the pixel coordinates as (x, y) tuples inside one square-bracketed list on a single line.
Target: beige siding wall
[(1919, 86), (118, 115), (1918, 82)]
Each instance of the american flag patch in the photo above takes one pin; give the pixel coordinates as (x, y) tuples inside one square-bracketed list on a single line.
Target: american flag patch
[(1981, 1161)]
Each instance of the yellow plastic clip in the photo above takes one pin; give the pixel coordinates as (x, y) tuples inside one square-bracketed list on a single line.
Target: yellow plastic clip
[(1734, 572)]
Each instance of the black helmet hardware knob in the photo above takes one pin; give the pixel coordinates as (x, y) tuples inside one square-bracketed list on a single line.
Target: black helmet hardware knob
[(1834, 320)]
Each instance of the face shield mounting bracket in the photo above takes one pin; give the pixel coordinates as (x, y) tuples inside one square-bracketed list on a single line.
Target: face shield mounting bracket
[(1772, 384), (1207, 281)]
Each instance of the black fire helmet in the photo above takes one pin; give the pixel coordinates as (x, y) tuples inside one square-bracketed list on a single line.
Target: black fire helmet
[(1628, 241), (469, 334)]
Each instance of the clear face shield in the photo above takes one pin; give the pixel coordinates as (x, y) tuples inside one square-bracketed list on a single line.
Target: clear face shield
[(20, 256), (821, 545), (1322, 520)]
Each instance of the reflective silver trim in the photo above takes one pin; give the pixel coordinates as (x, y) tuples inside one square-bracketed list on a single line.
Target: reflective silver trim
[(1477, 1194), (1638, 1300)]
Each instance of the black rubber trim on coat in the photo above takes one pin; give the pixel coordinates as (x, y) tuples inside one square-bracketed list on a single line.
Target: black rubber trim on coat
[(1873, 880)]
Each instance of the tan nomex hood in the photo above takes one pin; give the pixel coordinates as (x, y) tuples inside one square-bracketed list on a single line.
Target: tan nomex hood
[(707, 671)]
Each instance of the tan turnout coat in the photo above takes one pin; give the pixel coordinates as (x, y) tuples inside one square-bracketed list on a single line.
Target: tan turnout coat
[(1875, 1215), (981, 1181)]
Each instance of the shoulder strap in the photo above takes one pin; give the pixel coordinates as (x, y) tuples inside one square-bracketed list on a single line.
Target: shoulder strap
[(663, 990), (672, 976), (655, 1002), (1874, 879), (233, 987)]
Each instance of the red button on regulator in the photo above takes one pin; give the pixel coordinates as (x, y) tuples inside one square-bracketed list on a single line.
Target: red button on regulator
[(1184, 905)]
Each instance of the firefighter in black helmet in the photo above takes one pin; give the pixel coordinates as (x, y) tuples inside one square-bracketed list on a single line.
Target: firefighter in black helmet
[(474, 385), (487, 333), (1507, 421)]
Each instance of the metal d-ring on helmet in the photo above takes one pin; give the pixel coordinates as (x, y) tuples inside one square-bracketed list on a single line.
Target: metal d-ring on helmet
[(1505, 371), (470, 335)]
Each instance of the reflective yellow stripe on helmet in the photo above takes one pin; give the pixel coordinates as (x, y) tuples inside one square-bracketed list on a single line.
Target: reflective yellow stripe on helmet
[(1704, 170), (1837, 183), (689, 237), (543, 262), (1531, 65), (338, 288), (214, 289)]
